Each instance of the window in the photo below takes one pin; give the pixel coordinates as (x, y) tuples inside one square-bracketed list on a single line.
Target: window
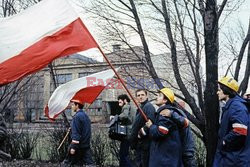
[(60, 79), (63, 78), (84, 74)]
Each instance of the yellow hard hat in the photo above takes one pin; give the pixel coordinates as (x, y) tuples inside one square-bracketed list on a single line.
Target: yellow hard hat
[(229, 82), (168, 93)]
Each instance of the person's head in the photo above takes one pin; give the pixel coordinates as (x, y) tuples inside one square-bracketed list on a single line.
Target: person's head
[(227, 88), (76, 105), (164, 96), (141, 95), (247, 94), (123, 99)]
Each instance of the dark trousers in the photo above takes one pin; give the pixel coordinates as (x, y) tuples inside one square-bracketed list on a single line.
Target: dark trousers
[(142, 157), (82, 156), (124, 154)]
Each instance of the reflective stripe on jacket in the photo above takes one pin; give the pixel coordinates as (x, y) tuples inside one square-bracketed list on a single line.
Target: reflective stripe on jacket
[(166, 146), (234, 129)]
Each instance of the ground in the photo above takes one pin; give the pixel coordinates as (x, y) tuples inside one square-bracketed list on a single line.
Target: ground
[(27, 163)]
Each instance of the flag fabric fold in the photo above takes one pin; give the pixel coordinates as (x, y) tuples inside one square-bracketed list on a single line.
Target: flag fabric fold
[(36, 36), (85, 89)]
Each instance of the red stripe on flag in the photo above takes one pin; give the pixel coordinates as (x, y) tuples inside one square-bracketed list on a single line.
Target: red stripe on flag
[(71, 39), (87, 95)]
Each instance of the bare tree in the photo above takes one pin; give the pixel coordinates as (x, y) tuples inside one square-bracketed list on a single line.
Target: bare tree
[(184, 28)]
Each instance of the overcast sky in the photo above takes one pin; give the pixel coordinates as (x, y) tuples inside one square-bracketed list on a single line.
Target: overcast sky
[(241, 16)]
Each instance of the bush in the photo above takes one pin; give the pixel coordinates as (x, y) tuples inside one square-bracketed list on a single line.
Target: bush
[(99, 146), (200, 152), (55, 136), (21, 144)]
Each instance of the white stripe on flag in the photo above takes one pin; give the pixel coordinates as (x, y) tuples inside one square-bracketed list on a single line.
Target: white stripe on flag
[(29, 26), (61, 97)]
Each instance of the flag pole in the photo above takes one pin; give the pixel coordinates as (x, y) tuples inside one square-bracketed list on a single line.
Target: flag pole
[(123, 84), (65, 119)]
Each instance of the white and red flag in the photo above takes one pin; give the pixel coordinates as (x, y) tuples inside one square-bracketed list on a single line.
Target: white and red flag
[(85, 89), (33, 38)]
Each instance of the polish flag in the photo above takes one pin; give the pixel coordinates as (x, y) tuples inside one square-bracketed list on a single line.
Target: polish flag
[(33, 38), (85, 89)]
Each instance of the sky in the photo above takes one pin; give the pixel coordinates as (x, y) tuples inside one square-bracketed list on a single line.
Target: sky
[(240, 16)]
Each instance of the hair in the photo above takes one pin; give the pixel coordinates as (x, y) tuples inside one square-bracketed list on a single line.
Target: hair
[(123, 97), (80, 106), (138, 90), (168, 101), (227, 91)]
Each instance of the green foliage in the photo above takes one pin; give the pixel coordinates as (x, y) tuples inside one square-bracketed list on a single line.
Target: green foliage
[(54, 138), (100, 148), (21, 144)]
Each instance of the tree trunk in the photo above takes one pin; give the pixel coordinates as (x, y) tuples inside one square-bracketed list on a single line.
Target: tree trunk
[(210, 96), (244, 83)]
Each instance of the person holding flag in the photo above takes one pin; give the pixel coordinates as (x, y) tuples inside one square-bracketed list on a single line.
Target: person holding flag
[(166, 146), (79, 149)]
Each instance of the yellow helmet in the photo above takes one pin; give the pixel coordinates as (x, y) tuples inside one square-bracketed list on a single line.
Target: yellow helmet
[(168, 93), (229, 82)]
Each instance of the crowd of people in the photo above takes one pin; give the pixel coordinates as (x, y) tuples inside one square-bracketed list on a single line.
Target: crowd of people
[(163, 138)]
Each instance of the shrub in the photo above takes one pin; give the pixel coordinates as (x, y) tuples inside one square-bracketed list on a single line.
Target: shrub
[(21, 144), (99, 146), (200, 152), (54, 138)]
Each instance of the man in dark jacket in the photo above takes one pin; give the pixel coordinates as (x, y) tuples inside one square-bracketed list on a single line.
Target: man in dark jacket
[(233, 137), (79, 149), (188, 146), (140, 142), (166, 145)]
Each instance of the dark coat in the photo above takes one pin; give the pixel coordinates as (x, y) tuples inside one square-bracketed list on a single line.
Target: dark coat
[(81, 129), (143, 143), (232, 146), (166, 145), (188, 146)]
